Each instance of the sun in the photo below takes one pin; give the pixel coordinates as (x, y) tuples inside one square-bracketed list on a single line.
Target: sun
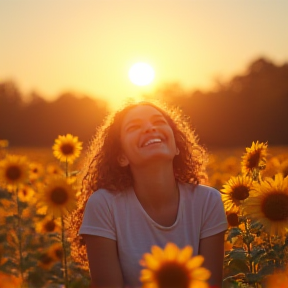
[(141, 74)]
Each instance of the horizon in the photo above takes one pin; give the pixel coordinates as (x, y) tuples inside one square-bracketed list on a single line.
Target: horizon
[(52, 48)]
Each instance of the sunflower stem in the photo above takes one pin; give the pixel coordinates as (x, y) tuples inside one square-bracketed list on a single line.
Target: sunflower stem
[(19, 236), (65, 270), (66, 168), (248, 246)]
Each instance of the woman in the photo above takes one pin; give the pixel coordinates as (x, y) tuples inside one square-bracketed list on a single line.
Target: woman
[(145, 167)]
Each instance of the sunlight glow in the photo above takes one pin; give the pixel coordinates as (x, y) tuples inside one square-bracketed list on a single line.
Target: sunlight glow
[(141, 74)]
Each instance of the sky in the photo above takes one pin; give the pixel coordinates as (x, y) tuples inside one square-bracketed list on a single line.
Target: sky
[(87, 46)]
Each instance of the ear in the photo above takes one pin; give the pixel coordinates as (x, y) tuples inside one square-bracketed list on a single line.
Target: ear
[(122, 160), (177, 151)]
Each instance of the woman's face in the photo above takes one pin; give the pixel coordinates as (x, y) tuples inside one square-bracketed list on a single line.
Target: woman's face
[(146, 135)]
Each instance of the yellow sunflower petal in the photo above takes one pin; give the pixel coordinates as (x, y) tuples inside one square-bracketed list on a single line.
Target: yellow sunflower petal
[(201, 273), (146, 275), (171, 251), (198, 284), (185, 254), (157, 252), (150, 261), (195, 262)]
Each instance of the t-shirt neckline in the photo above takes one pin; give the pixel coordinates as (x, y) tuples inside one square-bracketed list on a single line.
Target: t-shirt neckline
[(179, 212)]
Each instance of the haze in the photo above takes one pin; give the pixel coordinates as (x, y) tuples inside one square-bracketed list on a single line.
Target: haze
[(88, 46)]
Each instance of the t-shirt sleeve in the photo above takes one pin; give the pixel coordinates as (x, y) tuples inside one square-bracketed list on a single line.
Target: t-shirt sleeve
[(214, 218), (98, 218)]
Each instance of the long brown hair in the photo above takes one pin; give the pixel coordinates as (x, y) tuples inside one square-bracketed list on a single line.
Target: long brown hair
[(102, 170)]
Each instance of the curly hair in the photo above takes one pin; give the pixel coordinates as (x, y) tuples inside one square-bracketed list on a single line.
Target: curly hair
[(102, 170)]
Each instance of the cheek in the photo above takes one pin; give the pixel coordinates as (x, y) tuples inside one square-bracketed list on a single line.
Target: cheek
[(126, 144)]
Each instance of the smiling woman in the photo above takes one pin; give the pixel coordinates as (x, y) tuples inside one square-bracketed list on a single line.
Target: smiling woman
[(141, 186), (141, 74)]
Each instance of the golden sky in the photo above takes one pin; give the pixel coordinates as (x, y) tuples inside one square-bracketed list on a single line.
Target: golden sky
[(54, 46)]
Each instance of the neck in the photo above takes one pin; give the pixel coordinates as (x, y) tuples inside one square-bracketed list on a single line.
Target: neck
[(155, 186)]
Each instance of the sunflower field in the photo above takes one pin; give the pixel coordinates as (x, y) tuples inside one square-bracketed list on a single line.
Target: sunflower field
[(40, 187)]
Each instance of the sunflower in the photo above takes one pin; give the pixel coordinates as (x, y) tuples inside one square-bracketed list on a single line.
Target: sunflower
[(173, 268), (54, 170), (235, 191), (268, 204), (284, 168), (36, 171), (13, 171), (55, 251), (233, 217), (277, 280), (25, 193), (255, 158), (46, 261), (10, 281), (48, 225), (67, 148), (58, 196)]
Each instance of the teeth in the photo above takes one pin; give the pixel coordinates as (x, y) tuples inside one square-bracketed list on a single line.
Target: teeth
[(151, 141)]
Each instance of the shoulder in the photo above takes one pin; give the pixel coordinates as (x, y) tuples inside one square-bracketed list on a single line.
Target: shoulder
[(104, 194), (200, 190), (105, 197)]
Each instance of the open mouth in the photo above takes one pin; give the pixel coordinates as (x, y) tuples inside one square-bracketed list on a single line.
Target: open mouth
[(151, 142)]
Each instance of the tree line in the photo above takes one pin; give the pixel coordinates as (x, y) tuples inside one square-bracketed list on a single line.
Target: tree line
[(249, 107)]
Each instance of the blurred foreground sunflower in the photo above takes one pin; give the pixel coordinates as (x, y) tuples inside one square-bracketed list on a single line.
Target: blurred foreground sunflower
[(268, 204), (58, 196), (67, 148), (13, 171), (9, 281), (277, 280), (235, 191), (255, 158), (173, 268)]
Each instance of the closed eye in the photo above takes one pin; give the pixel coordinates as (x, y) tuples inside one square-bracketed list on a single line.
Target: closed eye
[(133, 127), (160, 121)]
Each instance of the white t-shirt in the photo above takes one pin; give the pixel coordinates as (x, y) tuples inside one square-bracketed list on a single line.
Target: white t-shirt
[(121, 217)]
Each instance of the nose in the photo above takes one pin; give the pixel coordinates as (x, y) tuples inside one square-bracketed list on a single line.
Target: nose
[(149, 127)]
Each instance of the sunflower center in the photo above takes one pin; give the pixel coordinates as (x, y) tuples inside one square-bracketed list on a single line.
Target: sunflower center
[(67, 149), (253, 160), (240, 192), (232, 219), (45, 259), (24, 192), (172, 275), (50, 226), (275, 206), (58, 253), (13, 173), (59, 196)]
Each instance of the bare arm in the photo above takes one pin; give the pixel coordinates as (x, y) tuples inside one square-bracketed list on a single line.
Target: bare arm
[(103, 260), (212, 249)]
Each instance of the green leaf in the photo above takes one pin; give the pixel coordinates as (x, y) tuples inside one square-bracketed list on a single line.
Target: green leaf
[(233, 232), (257, 253), (253, 278), (238, 253), (238, 266)]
